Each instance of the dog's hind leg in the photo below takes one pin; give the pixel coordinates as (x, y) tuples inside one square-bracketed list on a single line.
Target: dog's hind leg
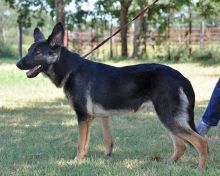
[(200, 144), (107, 138), (179, 147), (176, 113), (83, 137)]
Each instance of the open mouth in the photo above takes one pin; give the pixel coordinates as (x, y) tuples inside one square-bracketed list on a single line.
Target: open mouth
[(34, 71)]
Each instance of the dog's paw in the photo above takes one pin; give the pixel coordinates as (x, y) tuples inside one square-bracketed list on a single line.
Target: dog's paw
[(108, 151), (108, 154), (79, 157)]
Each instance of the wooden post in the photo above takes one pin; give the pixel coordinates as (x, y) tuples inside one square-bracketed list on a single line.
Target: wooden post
[(209, 36), (66, 38), (91, 39), (190, 32), (202, 35), (97, 39), (179, 35), (111, 50), (80, 41), (116, 47), (168, 34), (66, 34), (20, 40)]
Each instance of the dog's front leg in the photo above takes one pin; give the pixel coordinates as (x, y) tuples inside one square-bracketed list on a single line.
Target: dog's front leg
[(83, 138), (107, 137)]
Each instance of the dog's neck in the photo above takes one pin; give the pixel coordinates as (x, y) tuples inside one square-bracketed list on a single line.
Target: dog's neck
[(68, 63)]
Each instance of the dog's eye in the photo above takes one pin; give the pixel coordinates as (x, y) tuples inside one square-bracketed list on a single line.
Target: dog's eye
[(37, 52)]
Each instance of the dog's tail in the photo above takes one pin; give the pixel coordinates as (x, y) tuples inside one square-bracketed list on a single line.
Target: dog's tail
[(177, 111), (191, 105)]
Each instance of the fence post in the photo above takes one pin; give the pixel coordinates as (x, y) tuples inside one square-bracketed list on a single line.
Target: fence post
[(208, 35), (179, 35), (111, 51), (20, 40), (80, 41), (202, 34), (92, 40), (190, 32)]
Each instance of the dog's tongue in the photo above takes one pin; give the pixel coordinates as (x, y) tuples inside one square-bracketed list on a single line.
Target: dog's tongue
[(32, 71)]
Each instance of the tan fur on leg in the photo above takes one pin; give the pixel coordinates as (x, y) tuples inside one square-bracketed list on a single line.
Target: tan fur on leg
[(179, 147), (200, 144), (83, 137), (89, 124), (107, 138)]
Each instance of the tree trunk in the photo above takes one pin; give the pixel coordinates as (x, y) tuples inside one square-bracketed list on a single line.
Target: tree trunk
[(125, 4), (111, 49), (168, 36), (190, 33), (20, 40), (60, 17), (1, 35), (140, 29), (1, 31)]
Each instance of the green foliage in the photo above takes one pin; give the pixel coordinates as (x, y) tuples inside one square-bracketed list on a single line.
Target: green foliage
[(206, 54), (30, 13), (198, 55), (110, 7), (28, 9), (208, 8), (176, 55), (7, 50)]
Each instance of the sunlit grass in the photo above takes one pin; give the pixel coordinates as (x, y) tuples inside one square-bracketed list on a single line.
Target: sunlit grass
[(38, 132)]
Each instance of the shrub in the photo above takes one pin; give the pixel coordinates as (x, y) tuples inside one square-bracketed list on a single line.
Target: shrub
[(7, 50), (206, 54)]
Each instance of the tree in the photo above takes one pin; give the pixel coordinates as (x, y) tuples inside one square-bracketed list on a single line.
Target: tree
[(5, 11), (208, 8), (57, 9), (26, 10), (125, 4), (108, 8), (60, 17), (140, 26)]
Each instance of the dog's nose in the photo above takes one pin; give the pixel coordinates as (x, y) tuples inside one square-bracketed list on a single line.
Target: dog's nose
[(19, 64)]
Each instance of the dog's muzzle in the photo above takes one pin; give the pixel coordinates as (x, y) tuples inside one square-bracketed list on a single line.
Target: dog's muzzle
[(20, 64)]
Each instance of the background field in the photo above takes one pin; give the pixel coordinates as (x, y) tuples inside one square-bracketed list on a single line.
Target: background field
[(38, 132)]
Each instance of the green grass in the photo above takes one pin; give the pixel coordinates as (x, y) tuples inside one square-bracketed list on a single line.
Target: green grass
[(38, 132)]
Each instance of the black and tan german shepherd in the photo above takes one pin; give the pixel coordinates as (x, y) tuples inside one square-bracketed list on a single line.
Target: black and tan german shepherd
[(97, 90)]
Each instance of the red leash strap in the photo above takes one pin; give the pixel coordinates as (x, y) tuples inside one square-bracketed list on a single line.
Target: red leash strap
[(122, 27)]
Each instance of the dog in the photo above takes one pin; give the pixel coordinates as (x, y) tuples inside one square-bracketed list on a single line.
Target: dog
[(98, 90)]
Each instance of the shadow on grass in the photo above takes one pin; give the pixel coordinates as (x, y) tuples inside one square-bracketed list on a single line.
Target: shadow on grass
[(44, 132), (41, 138), (37, 132)]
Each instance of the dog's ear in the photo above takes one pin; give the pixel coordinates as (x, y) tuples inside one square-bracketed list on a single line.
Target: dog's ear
[(38, 35), (57, 36)]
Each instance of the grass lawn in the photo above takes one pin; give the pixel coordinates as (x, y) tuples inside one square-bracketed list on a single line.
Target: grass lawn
[(38, 132)]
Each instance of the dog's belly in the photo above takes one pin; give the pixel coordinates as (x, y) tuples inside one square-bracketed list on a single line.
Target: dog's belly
[(99, 111)]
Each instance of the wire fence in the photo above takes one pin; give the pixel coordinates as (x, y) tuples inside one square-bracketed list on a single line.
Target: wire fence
[(181, 37)]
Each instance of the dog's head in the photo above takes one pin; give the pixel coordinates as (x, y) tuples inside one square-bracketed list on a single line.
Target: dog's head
[(43, 52)]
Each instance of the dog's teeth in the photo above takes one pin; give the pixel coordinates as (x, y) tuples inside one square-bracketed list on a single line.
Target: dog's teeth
[(31, 71), (38, 66)]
